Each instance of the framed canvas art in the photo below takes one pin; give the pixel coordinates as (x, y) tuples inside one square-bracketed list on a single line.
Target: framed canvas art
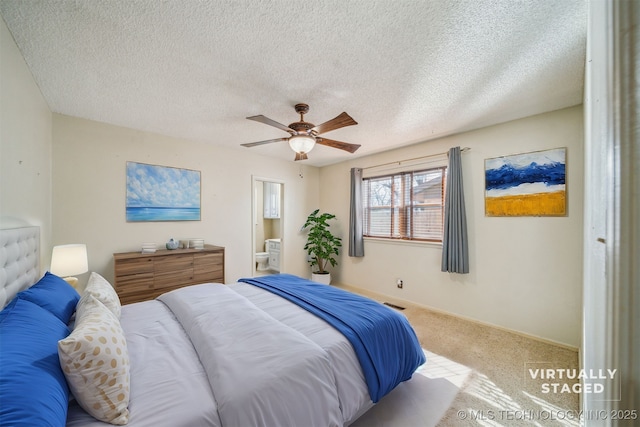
[(162, 193), (528, 184)]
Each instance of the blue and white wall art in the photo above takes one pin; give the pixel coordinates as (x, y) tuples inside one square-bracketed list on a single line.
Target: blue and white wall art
[(529, 184), (162, 193)]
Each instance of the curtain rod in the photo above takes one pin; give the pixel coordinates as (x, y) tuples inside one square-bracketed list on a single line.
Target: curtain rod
[(412, 159)]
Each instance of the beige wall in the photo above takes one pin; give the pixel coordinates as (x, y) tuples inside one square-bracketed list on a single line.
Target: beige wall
[(25, 147), (526, 272), (89, 161)]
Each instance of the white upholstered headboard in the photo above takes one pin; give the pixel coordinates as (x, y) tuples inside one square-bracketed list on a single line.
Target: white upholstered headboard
[(19, 261)]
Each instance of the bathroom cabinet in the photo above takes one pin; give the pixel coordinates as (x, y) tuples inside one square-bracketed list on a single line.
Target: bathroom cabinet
[(271, 202), (274, 254)]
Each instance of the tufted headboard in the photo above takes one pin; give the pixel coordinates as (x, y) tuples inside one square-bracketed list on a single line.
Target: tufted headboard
[(19, 261)]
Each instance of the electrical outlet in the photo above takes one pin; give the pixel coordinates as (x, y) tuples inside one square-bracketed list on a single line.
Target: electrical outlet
[(399, 283)]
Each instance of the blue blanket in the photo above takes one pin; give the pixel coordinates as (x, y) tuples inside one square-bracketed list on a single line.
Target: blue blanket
[(385, 343)]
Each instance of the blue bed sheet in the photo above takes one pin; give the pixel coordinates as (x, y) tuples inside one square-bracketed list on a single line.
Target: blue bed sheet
[(385, 343)]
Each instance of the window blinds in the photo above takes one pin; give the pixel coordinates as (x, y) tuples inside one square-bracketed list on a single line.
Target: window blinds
[(405, 205)]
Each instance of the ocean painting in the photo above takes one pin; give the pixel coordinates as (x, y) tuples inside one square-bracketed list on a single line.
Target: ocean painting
[(529, 184), (161, 193)]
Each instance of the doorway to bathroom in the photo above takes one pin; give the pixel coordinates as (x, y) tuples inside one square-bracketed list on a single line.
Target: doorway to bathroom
[(268, 226)]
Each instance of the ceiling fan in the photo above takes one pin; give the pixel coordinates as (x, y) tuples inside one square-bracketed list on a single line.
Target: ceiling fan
[(305, 135)]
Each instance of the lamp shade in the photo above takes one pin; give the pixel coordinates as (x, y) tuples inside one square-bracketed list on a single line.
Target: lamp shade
[(302, 143), (67, 260)]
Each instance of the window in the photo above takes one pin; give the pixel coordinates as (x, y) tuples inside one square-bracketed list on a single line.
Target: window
[(405, 205)]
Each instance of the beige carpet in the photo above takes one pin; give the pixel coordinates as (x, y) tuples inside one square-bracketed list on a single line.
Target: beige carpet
[(477, 375)]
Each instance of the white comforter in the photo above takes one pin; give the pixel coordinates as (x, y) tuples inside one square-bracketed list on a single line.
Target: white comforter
[(258, 368), (236, 355)]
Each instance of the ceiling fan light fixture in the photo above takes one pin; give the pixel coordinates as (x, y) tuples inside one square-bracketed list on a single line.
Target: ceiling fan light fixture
[(302, 143)]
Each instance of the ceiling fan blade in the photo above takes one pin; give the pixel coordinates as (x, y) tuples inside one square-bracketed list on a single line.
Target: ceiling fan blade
[(268, 141), (268, 121), (338, 144), (301, 156), (336, 123)]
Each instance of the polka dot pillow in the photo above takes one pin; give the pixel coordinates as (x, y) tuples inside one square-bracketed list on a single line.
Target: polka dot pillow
[(95, 362), (100, 288)]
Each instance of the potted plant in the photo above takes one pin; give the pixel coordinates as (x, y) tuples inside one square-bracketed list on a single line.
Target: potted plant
[(322, 246)]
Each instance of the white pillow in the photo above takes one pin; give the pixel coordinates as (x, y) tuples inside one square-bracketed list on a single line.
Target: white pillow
[(102, 290), (95, 362)]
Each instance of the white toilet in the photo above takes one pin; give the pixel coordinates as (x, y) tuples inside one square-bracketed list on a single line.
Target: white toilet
[(262, 258)]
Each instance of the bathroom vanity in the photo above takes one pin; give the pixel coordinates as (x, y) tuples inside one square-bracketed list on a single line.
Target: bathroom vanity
[(273, 248)]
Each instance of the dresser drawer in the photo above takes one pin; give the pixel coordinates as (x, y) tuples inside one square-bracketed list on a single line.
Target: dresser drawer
[(171, 263), (135, 282), (208, 266), (210, 260), (169, 279), (134, 266)]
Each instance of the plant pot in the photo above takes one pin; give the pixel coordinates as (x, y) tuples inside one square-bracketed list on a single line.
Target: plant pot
[(324, 278)]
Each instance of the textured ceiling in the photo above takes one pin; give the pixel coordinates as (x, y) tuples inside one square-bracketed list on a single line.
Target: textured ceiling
[(406, 70)]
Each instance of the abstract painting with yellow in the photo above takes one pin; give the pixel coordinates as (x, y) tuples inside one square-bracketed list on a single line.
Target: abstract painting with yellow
[(529, 184)]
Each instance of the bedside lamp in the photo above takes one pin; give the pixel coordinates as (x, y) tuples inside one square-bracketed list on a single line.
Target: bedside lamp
[(67, 260)]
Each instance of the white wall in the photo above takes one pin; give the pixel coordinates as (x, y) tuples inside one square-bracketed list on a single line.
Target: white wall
[(25, 147), (526, 272), (89, 180)]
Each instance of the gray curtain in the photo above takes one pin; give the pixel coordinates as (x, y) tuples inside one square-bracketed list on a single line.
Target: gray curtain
[(356, 242), (455, 248)]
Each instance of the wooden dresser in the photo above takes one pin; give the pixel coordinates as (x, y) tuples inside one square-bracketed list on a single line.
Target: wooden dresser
[(140, 277)]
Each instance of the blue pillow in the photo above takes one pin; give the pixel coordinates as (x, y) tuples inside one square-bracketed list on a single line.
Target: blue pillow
[(33, 389), (54, 294)]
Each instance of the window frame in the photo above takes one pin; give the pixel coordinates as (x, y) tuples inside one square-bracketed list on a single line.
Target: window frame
[(405, 224)]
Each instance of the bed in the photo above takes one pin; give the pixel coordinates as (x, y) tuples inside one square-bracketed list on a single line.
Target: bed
[(264, 352)]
